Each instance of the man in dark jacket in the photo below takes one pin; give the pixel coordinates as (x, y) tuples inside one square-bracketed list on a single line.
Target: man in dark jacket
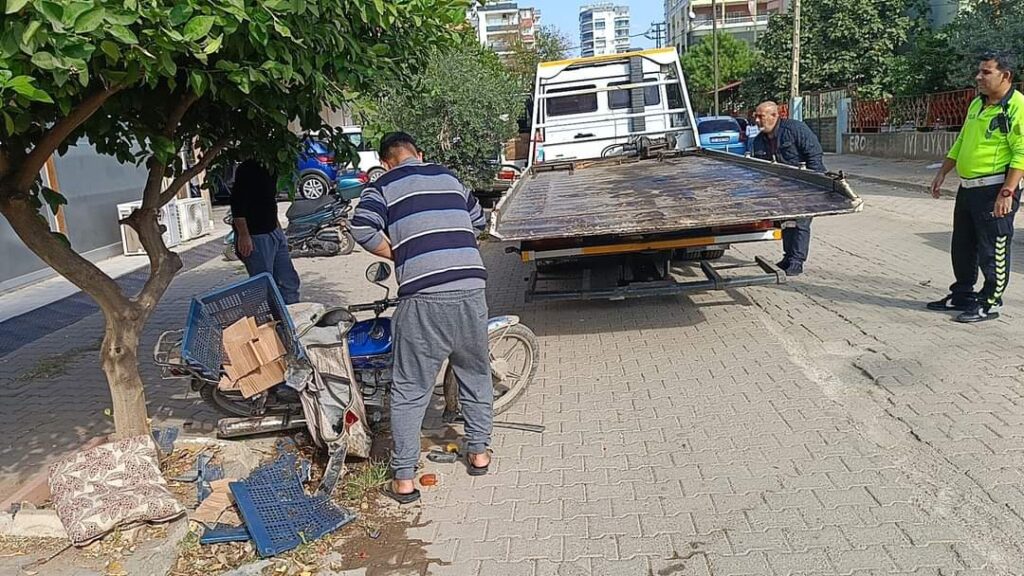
[(789, 142)]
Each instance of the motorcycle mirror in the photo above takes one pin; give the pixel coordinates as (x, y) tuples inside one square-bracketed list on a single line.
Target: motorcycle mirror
[(378, 272)]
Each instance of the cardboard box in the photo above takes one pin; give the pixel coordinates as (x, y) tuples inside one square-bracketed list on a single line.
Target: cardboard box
[(254, 357), (265, 377)]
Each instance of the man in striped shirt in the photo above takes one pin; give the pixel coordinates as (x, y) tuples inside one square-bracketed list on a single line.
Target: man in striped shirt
[(423, 218)]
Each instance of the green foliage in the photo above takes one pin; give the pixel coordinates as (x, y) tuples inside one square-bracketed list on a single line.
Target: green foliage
[(461, 108), (843, 43), (986, 26), (735, 61), (253, 66), (549, 45)]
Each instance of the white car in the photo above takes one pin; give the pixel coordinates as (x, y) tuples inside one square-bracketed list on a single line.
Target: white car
[(369, 162)]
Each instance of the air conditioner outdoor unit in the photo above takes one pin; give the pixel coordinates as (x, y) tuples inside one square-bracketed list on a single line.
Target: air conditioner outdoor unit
[(194, 218), (168, 216)]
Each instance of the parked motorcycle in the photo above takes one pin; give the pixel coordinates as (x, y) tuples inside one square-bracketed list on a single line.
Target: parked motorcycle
[(316, 228), (514, 351)]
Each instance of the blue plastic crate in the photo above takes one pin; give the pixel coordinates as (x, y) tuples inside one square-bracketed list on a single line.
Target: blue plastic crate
[(202, 345), (278, 513)]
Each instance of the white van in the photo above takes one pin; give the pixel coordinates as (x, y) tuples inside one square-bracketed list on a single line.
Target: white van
[(589, 107), (369, 161)]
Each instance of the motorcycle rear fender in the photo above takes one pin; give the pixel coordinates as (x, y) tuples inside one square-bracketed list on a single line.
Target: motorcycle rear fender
[(501, 322)]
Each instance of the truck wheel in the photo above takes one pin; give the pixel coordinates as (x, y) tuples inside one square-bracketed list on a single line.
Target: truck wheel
[(375, 173), (712, 254)]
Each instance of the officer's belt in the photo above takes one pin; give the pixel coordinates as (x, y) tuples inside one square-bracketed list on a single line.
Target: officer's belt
[(983, 181)]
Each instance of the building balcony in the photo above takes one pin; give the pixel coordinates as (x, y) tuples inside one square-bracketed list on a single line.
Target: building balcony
[(502, 28), (705, 22)]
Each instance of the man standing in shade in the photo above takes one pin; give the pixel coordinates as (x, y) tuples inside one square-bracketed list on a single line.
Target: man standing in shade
[(259, 240)]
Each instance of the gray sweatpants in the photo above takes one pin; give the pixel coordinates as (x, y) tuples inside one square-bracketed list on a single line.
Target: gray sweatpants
[(429, 329)]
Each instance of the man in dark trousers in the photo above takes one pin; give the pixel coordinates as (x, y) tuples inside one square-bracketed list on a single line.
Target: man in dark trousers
[(423, 218), (259, 240), (789, 142), (989, 157)]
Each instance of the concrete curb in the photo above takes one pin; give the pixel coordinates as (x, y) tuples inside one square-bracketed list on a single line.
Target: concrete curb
[(900, 184)]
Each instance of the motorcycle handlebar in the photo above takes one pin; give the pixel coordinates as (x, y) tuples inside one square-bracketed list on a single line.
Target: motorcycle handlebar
[(380, 305)]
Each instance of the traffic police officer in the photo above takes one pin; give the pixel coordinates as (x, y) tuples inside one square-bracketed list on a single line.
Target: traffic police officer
[(989, 157), (790, 142)]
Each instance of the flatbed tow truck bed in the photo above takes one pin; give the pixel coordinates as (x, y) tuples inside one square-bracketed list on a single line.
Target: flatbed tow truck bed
[(640, 211), (694, 190)]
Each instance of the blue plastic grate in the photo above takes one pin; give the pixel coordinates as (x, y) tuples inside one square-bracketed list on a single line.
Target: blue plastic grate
[(277, 512), (202, 346)]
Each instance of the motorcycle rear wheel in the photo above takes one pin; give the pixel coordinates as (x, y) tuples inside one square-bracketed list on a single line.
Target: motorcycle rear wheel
[(347, 243), (525, 348), (234, 404)]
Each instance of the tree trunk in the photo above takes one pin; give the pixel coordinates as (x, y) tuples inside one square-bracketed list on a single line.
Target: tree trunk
[(120, 360)]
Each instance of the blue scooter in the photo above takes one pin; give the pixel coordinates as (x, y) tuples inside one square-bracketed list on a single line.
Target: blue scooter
[(316, 228), (515, 354)]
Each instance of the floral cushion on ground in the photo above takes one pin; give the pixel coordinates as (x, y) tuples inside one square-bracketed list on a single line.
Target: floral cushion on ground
[(112, 485)]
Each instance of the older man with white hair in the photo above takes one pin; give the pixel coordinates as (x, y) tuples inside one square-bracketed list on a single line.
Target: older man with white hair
[(790, 142)]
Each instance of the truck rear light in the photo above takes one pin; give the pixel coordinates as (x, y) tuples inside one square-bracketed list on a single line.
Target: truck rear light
[(325, 158), (507, 174)]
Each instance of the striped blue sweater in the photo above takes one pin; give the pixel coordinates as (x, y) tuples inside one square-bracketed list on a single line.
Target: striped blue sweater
[(431, 221)]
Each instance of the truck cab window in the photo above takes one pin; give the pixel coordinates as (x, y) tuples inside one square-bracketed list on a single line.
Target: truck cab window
[(572, 104), (619, 99)]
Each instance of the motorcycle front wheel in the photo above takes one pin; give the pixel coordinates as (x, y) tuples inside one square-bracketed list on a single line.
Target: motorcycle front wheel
[(515, 357)]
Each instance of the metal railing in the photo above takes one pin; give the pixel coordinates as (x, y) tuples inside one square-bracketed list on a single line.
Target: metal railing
[(936, 111)]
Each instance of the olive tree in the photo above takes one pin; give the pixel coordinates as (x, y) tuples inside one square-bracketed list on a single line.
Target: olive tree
[(139, 79)]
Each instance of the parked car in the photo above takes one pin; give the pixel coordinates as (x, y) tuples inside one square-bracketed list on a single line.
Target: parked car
[(722, 133), (369, 161)]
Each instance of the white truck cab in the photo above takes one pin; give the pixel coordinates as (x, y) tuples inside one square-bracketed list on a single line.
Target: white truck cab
[(590, 107)]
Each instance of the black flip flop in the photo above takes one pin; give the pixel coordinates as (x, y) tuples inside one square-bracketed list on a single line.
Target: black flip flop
[(475, 470), (408, 498)]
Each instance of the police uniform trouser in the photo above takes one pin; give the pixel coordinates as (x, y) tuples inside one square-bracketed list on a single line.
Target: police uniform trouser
[(981, 240), (796, 242)]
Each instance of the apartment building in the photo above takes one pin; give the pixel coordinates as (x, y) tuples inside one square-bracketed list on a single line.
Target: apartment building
[(604, 29), (499, 25), (690, 20)]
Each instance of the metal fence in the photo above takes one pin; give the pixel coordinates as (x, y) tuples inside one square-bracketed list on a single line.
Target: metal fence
[(936, 111)]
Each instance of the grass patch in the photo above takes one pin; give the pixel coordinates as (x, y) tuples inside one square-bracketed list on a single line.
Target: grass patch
[(361, 482), (55, 366)]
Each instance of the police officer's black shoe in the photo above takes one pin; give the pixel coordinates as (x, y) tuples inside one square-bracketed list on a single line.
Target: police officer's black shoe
[(783, 264), (952, 304), (793, 269), (978, 314)]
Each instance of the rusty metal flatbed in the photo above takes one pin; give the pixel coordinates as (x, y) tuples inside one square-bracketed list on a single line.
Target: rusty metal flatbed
[(693, 190)]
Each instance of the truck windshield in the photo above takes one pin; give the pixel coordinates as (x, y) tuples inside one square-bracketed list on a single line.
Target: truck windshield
[(572, 104), (709, 126)]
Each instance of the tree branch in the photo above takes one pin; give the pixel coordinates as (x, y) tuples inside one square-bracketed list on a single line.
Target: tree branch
[(151, 193), (56, 135), (33, 230), (192, 172)]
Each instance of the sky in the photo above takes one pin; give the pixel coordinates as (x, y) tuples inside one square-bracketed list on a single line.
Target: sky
[(565, 15)]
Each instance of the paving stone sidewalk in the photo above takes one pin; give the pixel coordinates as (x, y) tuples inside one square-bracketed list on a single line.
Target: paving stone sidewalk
[(828, 426)]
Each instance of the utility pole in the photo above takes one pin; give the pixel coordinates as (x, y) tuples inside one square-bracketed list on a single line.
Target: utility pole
[(658, 32), (794, 77), (714, 48)]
